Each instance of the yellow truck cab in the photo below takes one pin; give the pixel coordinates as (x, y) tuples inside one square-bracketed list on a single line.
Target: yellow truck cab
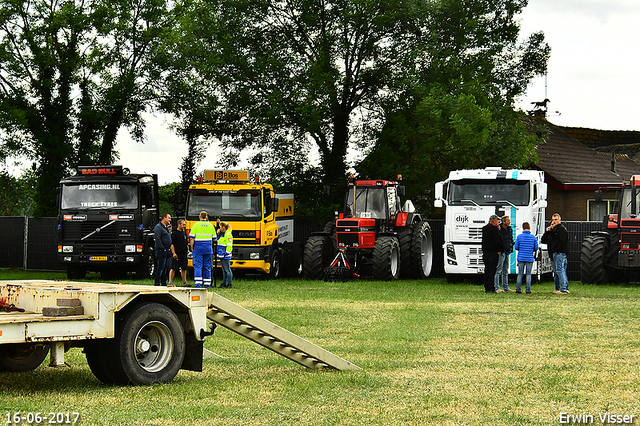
[(261, 221)]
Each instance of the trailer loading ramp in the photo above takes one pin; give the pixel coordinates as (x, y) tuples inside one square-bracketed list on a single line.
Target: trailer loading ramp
[(265, 333)]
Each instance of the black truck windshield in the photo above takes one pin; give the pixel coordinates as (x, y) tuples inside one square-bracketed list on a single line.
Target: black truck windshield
[(489, 192), (371, 203), (99, 195), (226, 205)]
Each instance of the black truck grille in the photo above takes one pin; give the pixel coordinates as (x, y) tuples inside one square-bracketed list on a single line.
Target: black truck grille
[(117, 231), (103, 249)]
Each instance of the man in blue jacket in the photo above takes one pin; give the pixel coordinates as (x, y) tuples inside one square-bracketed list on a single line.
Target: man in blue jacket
[(526, 245)]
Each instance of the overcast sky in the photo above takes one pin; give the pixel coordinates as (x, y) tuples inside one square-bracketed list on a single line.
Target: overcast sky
[(593, 79)]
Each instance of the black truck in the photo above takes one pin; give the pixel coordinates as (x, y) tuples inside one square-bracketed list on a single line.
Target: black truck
[(106, 217)]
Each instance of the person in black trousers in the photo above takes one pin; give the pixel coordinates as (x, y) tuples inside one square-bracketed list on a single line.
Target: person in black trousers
[(492, 246)]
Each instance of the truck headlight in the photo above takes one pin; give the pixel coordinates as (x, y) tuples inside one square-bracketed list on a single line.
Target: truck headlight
[(254, 256), (130, 249), (67, 249), (451, 252), (67, 259)]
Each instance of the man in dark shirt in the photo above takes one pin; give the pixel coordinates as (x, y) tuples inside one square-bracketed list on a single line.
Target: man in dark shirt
[(163, 249), (492, 246), (556, 237), (179, 252)]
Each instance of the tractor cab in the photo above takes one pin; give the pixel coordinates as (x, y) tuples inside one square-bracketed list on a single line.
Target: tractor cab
[(373, 199)]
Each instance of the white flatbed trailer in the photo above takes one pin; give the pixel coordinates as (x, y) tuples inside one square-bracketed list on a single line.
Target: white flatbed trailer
[(131, 334)]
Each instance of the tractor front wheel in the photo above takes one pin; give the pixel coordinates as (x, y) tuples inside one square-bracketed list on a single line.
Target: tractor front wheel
[(386, 259), (317, 255)]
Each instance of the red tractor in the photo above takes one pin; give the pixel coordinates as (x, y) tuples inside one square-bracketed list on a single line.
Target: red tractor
[(375, 236), (610, 254)]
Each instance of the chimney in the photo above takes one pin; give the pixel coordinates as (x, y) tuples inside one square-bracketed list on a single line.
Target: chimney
[(613, 163)]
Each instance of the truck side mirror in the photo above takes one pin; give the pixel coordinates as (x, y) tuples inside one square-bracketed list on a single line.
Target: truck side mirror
[(401, 190), (274, 205), (438, 194)]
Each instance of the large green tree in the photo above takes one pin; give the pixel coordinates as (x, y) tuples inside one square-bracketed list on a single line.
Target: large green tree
[(458, 110), (335, 73), (189, 96), (300, 71), (72, 73)]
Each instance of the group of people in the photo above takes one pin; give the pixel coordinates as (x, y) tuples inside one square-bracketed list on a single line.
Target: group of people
[(498, 244), (171, 250)]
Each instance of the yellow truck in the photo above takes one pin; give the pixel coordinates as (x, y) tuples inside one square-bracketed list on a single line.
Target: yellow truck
[(261, 220)]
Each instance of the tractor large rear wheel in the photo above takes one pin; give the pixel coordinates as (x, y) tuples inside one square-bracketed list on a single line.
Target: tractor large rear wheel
[(317, 255), (404, 239), (386, 259), (421, 250), (592, 260)]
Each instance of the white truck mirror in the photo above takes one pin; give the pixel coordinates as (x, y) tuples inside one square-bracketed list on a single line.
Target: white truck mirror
[(438, 194)]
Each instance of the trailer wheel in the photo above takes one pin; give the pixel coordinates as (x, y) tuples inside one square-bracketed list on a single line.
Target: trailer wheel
[(22, 356), (76, 272), (317, 255), (421, 250), (99, 359), (592, 260), (150, 344), (386, 259)]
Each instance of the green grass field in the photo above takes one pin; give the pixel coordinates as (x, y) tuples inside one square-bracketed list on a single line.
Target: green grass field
[(431, 353)]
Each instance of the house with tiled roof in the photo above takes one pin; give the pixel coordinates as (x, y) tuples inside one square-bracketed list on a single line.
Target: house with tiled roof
[(578, 161)]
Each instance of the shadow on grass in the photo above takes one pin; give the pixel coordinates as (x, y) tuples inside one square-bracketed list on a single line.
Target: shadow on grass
[(46, 379)]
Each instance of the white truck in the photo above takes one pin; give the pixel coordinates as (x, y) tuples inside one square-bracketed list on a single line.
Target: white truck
[(472, 196), (131, 334)]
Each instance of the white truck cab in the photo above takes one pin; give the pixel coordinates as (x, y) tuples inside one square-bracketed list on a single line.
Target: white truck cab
[(472, 196)]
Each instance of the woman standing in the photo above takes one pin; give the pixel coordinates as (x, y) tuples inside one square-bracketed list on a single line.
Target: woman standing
[(225, 247)]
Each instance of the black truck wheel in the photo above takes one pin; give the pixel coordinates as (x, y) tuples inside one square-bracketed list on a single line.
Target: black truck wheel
[(592, 269), (275, 259), (76, 272), (317, 255), (147, 268), (22, 356), (150, 345), (421, 250), (386, 259)]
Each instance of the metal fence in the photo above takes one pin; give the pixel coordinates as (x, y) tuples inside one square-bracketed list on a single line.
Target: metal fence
[(31, 243), (12, 230)]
